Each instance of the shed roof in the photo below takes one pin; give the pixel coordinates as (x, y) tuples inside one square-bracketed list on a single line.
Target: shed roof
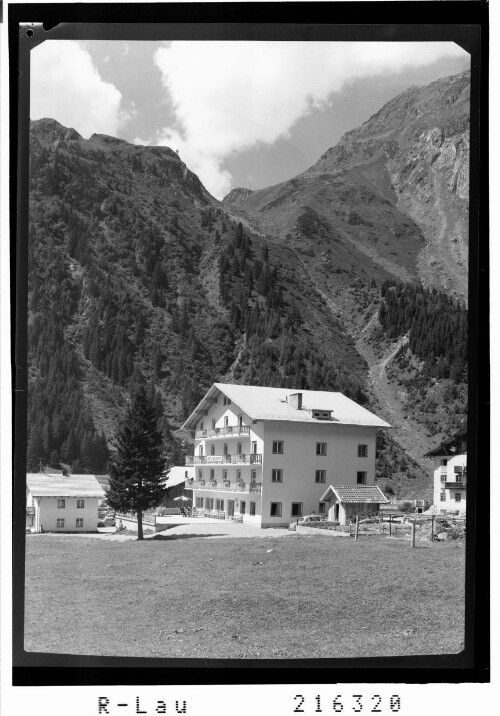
[(262, 403), (355, 494), (177, 474), (51, 485)]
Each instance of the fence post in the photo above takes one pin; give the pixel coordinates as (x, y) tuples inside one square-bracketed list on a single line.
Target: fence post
[(357, 527), (413, 530), (432, 528)]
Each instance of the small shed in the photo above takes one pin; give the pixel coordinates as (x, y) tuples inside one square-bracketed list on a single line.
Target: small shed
[(177, 485), (62, 503), (348, 501)]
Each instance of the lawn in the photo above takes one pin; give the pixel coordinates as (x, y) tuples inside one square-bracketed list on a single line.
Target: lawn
[(290, 597)]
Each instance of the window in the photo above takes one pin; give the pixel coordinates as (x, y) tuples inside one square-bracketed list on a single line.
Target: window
[(296, 509), (254, 447), (458, 497), (200, 474), (227, 401), (252, 508), (238, 448), (226, 422), (79, 521), (253, 476), (278, 447), (209, 503), (444, 461), (442, 496), (219, 504), (320, 448), (80, 504), (200, 451), (361, 478), (322, 414), (277, 476), (224, 474), (322, 508), (60, 522), (212, 449), (240, 420), (275, 509), (199, 502), (443, 478), (362, 450), (242, 507), (212, 474), (238, 475), (225, 449), (320, 475), (61, 504), (201, 425), (213, 423)]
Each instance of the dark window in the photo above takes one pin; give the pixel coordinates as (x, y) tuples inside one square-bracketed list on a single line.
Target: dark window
[(296, 509), (458, 497), (361, 478), (320, 448), (322, 508), (61, 504), (362, 450), (275, 509), (320, 475), (252, 508), (278, 447), (242, 507), (80, 504), (277, 476)]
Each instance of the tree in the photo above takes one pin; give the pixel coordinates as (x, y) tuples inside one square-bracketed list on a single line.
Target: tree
[(137, 472)]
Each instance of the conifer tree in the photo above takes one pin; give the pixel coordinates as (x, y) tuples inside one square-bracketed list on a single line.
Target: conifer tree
[(137, 472)]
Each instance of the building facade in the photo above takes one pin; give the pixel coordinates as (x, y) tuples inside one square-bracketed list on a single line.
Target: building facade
[(450, 474), (267, 455), (62, 503)]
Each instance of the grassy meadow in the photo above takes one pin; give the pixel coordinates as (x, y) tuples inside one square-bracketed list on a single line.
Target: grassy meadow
[(290, 597)]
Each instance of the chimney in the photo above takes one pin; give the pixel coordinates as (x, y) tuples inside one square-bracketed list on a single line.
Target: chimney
[(296, 401)]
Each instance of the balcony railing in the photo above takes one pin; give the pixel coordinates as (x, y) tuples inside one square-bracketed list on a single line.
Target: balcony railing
[(222, 486), (223, 432), (241, 459), (30, 510), (462, 485)]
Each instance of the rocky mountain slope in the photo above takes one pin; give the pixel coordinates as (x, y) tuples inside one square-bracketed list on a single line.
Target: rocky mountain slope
[(137, 274)]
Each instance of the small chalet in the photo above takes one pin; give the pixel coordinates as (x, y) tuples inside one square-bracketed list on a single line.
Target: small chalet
[(346, 502), (179, 479), (62, 503), (450, 474)]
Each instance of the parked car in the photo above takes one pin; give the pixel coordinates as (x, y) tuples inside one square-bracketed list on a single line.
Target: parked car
[(308, 520), (106, 522)]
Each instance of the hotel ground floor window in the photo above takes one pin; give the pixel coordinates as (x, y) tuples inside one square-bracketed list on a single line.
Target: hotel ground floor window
[(296, 509), (242, 507), (79, 522), (275, 509), (252, 508), (219, 504), (60, 522), (199, 502), (209, 503)]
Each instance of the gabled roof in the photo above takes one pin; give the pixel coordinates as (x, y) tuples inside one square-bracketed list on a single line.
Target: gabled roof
[(449, 446), (262, 403), (355, 494), (177, 474), (51, 485)]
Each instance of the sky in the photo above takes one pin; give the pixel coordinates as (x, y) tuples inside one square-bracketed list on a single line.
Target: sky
[(241, 113)]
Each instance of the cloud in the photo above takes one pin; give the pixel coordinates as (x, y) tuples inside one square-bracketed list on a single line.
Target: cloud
[(229, 96), (66, 86)]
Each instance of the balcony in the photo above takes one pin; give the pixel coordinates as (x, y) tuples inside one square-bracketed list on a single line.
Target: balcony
[(462, 485), (241, 459), (224, 432), (30, 510), (222, 486)]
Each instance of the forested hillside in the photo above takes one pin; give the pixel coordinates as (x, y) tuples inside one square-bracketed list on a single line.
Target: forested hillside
[(137, 275)]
